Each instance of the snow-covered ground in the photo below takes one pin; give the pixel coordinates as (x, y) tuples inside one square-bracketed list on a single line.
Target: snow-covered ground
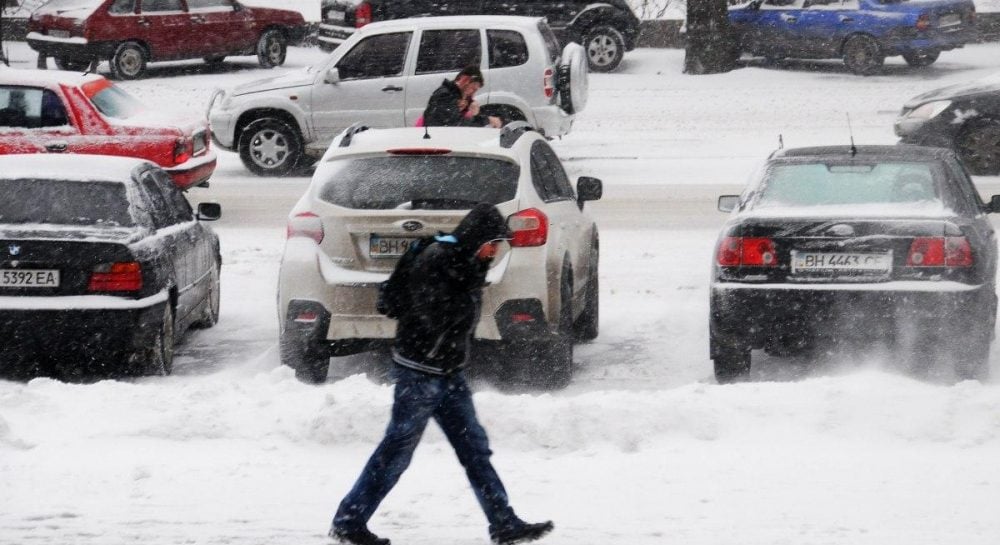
[(643, 449)]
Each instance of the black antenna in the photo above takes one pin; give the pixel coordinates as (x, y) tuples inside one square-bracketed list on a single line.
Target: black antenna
[(781, 142), (850, 130), (427, 135)]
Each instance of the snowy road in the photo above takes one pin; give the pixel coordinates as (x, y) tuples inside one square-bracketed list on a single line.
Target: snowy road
[(642, 449)]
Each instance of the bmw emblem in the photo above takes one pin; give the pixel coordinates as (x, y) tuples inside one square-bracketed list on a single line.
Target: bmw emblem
[(14, 249), (413, 225)]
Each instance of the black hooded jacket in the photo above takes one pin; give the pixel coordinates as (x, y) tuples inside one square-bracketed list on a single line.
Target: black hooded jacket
[(442, 109), (445, 284)]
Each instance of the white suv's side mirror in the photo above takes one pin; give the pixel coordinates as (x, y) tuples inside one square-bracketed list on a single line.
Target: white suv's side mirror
[(332, 76)]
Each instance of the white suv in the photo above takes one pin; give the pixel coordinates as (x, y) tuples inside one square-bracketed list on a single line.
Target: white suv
[(376, 191), (383, 75)]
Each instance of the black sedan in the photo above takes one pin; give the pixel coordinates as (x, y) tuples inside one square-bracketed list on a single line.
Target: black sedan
[(103, 265), (963, 117), (886, 244)]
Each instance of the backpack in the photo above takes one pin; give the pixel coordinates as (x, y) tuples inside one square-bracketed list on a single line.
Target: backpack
[(393, 295)]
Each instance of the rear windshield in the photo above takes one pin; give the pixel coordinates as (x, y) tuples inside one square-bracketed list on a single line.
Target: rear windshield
[(420, 182), (97, 204), (551, 42), (910, 184), (112, 101)]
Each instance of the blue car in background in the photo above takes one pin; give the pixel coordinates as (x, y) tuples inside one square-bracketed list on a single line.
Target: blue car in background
[(862, 32)]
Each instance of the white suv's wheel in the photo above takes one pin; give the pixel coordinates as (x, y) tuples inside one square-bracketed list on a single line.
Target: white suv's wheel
[(270, 147), (573, 79)]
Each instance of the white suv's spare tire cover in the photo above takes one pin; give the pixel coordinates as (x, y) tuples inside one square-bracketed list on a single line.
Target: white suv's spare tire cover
[(573, 74)]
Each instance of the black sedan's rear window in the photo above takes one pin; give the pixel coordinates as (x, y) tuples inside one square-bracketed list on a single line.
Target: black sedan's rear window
[(58, 202), (851, 184), (439, 182)]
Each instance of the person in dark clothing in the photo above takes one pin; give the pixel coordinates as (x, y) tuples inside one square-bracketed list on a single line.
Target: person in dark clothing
[(445, 282), (452, 104)]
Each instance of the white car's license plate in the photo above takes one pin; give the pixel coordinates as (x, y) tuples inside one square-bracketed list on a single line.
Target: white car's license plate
[(841, 262), (950, 20), (59, 33), (334, 15), (29, 278), (388, 246)]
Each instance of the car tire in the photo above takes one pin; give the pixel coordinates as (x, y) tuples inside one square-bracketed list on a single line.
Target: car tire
[(129, 61), (270, 147), (271, 48), (210, 315), (215, 59), (978, 144), (586, 326), (72, 65), (863, 55), (605, 48), (158, 359), (731, 365), (555, 361), (921, 59), (572, 79), (310, 362)]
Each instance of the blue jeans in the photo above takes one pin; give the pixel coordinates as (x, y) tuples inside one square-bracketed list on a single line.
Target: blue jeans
[(420, 396)]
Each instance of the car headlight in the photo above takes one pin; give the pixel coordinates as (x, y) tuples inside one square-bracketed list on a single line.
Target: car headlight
[(929, 110)]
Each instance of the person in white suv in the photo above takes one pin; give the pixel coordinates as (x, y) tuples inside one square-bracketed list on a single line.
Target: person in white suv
[(440, 291), (453, 104)]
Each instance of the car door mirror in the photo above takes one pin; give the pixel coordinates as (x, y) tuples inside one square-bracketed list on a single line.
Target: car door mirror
[(728, 203), (588, 189), (993, 206), (209, 211), (332, 76)]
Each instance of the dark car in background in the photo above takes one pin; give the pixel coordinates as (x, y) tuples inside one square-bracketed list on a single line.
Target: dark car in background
[(132, 33), (103, 265), (605, 29), (861, 32), (963, 117), (879, 244)]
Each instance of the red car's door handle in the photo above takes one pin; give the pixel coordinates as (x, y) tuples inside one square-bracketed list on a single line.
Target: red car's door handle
[(390, 88), (198, 20), (144, 22), (57, 147)]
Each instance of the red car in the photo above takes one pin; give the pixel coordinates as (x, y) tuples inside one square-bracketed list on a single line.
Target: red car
[(132, 33), (63, 112)]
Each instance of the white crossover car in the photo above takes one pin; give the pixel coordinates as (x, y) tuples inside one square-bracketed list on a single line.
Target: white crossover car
[(376, 191)]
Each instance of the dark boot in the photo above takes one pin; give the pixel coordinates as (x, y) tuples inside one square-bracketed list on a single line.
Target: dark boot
[(357, 537), (520, 532)]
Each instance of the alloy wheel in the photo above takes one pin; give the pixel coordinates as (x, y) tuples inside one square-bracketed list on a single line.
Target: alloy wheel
[(269, 148)]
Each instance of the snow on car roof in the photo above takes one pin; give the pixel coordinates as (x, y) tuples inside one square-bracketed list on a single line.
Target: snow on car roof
[(23, 76), (72, 167), (453, 21), (899, 151)]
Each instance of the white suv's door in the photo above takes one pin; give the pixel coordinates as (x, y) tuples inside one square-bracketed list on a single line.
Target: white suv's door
[(370, 90), (441, 55)]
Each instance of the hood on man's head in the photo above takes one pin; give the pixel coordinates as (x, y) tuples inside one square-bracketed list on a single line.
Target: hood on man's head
[(482, 224)]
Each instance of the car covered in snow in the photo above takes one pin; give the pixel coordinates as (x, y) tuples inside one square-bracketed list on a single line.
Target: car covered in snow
[(964, 117), (132, 33), (880, 244), (605, 29), (103, 265), (385, 73), (53, 112), (377, 191), (862, 32)]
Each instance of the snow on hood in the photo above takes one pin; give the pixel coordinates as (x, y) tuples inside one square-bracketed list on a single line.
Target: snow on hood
[(39, 231), (298, 78), (159, 119), (990, 84)]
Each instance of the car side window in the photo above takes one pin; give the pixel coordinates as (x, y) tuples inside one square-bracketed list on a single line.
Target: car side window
[(215, 5), (448, 50), (547, 174), (507, 48), (122, 7), (782, 4), (31, 108), (831, 4), (180, 208), (159, 208), (377, 56), (161, 5)]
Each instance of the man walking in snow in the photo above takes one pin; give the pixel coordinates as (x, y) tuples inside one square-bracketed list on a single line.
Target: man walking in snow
[(443, 284)]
